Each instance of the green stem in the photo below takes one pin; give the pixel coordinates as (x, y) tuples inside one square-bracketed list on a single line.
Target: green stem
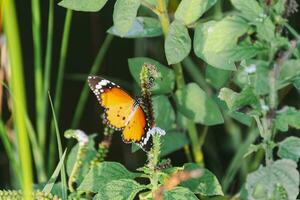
[(94, 69), (165, 23), (17, 84), (36, 31), (48, 60), (218, 10), (153, 161), (58, 88)]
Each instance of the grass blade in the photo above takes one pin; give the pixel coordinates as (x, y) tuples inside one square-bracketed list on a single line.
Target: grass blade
[(94, 69), (60, 76), (48, 187), (19, 103), (37, 47), (63, 172)]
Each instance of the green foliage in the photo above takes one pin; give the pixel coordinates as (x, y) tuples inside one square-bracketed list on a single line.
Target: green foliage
[(124, 15), (122, 189), (142, 27), (289, 148), (264, 183), (104, 173), (86, 6), (251, 60), (215, 42), (196, 105), (178, 43), (166, 119), (163, 84), (288, 117), (206, 185), (189, 11), (179, 193)]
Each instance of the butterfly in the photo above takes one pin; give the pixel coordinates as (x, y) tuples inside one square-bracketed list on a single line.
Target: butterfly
[(122, 112)]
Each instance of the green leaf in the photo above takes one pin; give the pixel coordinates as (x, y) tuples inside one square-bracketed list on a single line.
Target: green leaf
[(216, 77), (289, 72), (236, 100), (206, 185), (286, 117), (124, 15), (289, 148), (173, 141), (264, 183), (102, 174), (179, 193), (279, 6), (253, 73), (214, 42), (189, 11), (163, 112), (250, 9), (193, 102), (86, 5), (123, 189), (90, 154), (142, 27), (266, 30), (163, 84), (177, 43)]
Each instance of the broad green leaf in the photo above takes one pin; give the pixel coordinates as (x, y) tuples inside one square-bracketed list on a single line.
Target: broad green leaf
[(206, 185), (142, 27), (123, 189), (290, 148), (102, 174), (173, 141), (86, 5), (163, 84), (124, 15), (189, 11), (287, 117), (163, 112), (214, 42), (216, 77), (90, 154), (264, 182), (289, 72), (266, 30), (236, 100), (250, 9), (193, 102), (279, 6), (177, 43), (296, 83), (179, 193)]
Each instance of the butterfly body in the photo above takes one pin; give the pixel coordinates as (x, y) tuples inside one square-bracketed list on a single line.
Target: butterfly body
[(122, 112)]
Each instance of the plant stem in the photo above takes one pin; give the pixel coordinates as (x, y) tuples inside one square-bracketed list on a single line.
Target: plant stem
[(153, 161), (36, 31), (58, 88), (48, 60), (94, 69), (165, 23), (19, 103)]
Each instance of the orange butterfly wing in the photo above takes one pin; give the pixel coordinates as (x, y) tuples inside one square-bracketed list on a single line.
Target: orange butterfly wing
[(121, 111)]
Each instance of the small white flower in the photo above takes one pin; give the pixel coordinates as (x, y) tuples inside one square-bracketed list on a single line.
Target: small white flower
[(265, 107), (156, 130), (250, 69), (81, 137)]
